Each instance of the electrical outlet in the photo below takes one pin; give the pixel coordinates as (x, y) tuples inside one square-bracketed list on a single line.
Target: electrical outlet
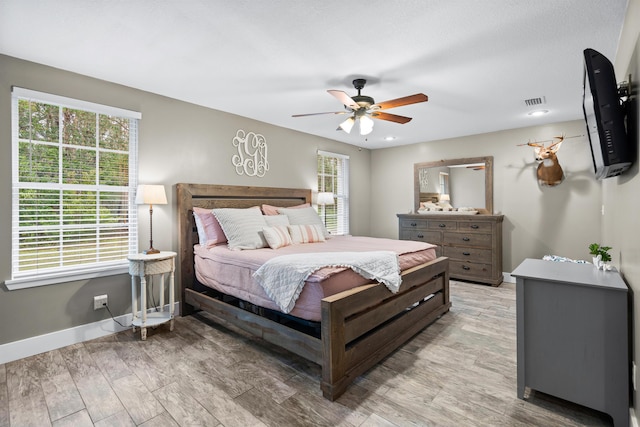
[(99, 301)]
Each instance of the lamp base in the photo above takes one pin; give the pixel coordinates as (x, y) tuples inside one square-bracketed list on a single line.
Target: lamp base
[(151, 251)]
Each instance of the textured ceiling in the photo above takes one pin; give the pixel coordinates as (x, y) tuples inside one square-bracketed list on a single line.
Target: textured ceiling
[(476, 60)]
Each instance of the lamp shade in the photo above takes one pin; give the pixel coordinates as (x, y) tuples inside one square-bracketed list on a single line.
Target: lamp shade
[(151, 195), (325, 199), (444, 198), (347, 125), (366, 125)]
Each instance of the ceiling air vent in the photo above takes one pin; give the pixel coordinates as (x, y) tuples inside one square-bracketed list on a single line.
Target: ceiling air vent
[(535, 101)]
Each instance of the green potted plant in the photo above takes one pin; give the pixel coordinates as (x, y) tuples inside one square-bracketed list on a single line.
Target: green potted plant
[(601, 255)]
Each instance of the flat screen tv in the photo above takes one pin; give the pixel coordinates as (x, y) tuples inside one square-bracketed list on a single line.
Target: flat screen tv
[(604, 114)]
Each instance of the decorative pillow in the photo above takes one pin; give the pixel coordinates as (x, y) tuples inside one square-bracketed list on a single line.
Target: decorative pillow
[(209, 231), (273, 210), (273, 220), (310, 233), (243, 227), (304, 216), (277, 236)]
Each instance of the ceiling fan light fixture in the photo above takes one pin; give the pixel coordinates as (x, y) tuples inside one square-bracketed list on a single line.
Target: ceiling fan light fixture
[(347, 125), (366, 125), (363, 108)]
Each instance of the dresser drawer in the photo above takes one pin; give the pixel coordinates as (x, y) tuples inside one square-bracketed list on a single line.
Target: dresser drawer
[(480, 227), (442, 225), (473, 243), (468, 254), (434, 237), (470, 269), (468, 239), (413, 223)]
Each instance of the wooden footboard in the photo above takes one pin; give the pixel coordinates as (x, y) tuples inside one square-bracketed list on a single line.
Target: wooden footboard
[(363, 325), (359, 327)]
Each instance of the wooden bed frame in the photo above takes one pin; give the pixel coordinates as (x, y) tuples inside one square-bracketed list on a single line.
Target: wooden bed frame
[(359, 327)]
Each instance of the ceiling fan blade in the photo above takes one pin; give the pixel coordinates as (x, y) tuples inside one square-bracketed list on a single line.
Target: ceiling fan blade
[(345, 99), (390, 117), (399, 102), (317, 114)]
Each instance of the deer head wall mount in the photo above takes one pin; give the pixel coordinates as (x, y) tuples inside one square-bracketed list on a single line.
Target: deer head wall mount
[(549, 172)]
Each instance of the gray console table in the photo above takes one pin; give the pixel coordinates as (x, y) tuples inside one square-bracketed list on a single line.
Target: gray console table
[(572, 325)]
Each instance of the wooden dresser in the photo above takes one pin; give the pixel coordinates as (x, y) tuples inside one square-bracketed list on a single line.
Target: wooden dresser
[(473, 243)]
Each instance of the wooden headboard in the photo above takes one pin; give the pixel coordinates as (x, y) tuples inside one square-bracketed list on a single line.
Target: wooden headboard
[(429, 197), (210, 196)]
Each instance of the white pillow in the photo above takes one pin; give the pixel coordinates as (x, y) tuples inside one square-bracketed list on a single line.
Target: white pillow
[(243, 227), (304, 216), (311, 233), (277, 236), (273, 220)]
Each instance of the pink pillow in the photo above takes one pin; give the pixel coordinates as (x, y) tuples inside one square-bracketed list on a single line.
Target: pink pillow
[(273, 210), (209, 231), (311, 233)]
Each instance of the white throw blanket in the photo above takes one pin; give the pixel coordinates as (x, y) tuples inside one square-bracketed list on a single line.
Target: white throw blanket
[(283, 277)]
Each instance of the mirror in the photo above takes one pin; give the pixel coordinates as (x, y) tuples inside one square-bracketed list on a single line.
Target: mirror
[(468, 183)]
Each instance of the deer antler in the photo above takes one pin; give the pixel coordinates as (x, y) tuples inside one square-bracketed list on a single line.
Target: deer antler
[(532, 144), (557, 143)]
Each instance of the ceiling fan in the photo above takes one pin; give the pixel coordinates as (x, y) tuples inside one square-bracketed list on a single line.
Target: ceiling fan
[(362, 108)]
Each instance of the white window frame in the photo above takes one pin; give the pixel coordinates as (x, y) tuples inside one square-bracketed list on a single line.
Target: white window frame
[(48, 276), (340, 191)]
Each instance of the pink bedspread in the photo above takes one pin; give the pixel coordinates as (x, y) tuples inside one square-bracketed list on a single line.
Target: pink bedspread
[(230, 272)]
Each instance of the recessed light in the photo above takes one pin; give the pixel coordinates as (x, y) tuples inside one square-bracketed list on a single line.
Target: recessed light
[(389, 138), (538, 113)]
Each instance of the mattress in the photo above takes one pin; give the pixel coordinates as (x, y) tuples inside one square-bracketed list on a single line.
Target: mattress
[(230, 272)]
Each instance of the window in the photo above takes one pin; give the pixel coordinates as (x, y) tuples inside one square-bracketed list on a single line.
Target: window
[(333, 177), (444, 183), (74, 175)]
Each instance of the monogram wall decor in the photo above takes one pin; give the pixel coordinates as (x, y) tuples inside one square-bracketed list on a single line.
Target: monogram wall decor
[(251, 159)]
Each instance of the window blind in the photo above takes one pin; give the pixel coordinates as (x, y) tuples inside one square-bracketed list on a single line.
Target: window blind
[(74, 173), (333, 177)]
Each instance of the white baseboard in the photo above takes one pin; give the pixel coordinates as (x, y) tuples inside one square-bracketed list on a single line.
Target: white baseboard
[(58, 339), (507, 277)]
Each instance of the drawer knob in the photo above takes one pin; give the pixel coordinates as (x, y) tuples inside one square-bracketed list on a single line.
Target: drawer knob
[(474, 226), (442, 225), (413, 224), (466, 239), (420, 236), (466, 253), (464, 267)]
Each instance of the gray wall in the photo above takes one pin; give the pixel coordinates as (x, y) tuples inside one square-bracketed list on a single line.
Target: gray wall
[(559, 220), (179, 142), (621, 195), (467, 187)]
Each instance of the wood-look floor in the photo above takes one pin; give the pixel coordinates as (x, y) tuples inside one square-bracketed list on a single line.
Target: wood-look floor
[(460, 371)]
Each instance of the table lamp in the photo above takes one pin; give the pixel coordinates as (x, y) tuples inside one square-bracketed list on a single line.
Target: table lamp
[(444, 201), (324, 199), (151, 195)]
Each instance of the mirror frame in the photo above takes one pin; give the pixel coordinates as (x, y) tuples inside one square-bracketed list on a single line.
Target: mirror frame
[(488, 179)]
